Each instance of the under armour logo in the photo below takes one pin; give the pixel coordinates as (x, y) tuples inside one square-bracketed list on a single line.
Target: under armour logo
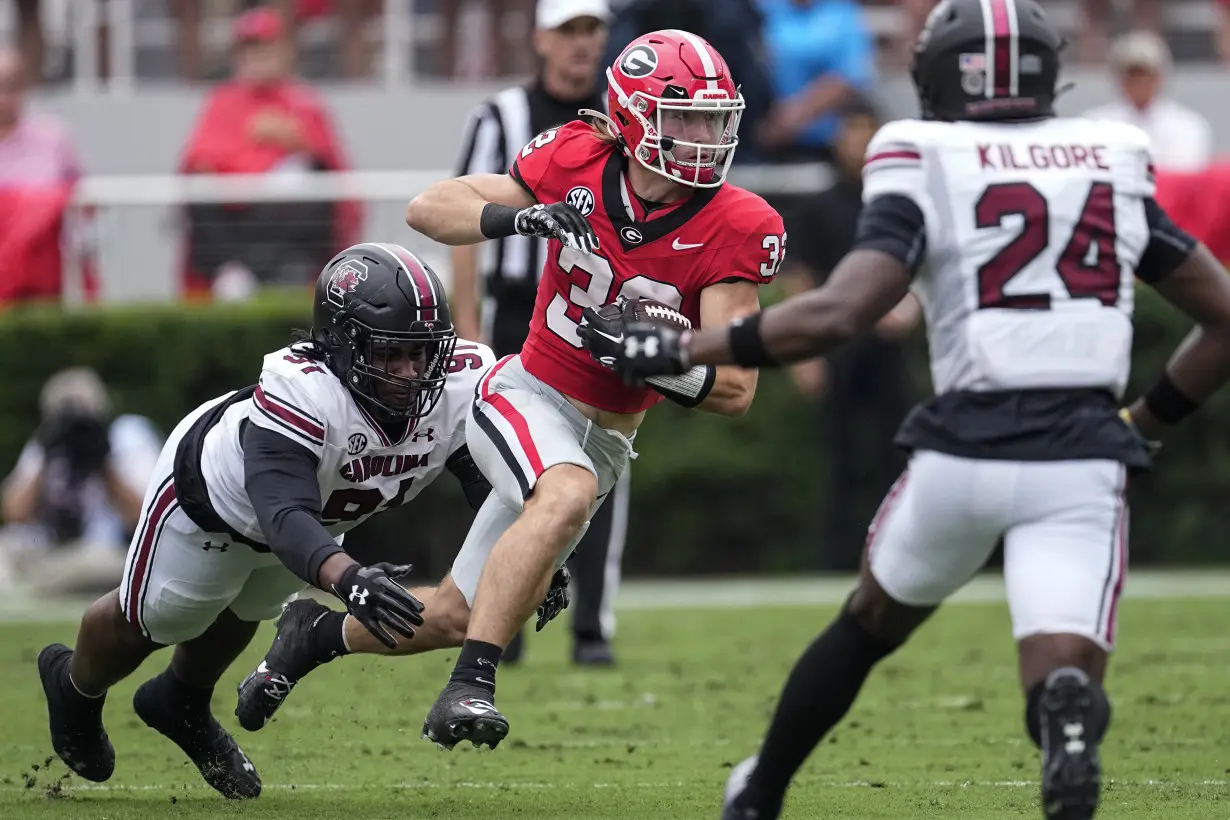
[(427, 433), (634, 347), (359, 595), (210, 545)]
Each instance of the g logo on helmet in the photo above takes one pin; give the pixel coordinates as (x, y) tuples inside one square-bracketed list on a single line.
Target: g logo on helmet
[(345, 278), (638, 61)]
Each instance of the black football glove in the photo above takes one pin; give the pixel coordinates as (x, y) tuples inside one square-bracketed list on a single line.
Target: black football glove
[(378, 602), (651, 350), (558, 598), (602, 332), (558, 220)]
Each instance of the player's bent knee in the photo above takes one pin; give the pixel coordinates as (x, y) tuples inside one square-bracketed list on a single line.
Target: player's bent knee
[(883, 616), (564, 495), (447, 614)]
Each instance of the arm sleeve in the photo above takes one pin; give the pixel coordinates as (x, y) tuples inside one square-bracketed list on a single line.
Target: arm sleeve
[(280, 479), (473, 483), (1169, 245), (756, 259), (893, 224)]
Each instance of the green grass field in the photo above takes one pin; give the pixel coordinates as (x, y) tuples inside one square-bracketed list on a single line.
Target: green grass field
[(937, 734)]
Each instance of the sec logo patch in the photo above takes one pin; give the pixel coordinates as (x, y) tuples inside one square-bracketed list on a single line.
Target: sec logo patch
[(582, 199)]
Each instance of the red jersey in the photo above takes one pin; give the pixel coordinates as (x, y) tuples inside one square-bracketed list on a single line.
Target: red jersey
[(670, 254)]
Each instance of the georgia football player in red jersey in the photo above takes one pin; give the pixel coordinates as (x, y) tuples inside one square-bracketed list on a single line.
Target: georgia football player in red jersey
[(635, 206)]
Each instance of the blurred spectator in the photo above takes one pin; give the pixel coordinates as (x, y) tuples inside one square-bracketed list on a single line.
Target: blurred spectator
[(1182, 139), (820, 51), (865, 385), (915, 13), (501, 55), (1223, 30), (733, 27), (73, 499), (1096, 24), (263, 121), (38, 168)]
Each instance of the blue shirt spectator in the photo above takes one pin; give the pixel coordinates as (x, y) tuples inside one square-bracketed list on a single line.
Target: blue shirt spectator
[(818, 52)]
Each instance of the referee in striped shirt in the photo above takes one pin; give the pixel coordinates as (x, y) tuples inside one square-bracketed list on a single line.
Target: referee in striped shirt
[(569, 37)]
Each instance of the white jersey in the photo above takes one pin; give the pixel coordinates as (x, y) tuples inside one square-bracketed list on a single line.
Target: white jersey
[(360, 470), (1034, 232)]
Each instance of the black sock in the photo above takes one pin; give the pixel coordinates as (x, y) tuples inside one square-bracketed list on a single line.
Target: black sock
[(182, 694), (820, 690), (477, 663), (1033, 717), (328, 641)]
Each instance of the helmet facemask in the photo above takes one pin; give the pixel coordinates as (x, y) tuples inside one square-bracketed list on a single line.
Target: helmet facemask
[(691, 141), (399, 375)]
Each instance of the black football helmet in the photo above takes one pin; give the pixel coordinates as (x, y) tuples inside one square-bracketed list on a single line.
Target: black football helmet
[(382, 324), (987, 61)]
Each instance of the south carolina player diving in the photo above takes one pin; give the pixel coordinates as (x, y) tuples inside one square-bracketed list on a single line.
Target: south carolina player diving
[(635, 206), (248, 506), (1020, 233)]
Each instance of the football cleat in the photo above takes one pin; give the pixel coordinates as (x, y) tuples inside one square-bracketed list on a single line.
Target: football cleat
[(211, 748), (1071, 769), (733, 799), (464, 712), (592, 653), (77, 732), (262, 692)]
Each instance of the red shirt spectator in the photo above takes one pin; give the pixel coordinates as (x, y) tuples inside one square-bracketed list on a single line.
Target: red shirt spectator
[(262, 121), (38, 168)]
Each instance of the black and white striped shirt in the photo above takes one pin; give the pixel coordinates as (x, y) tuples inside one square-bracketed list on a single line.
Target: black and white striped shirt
[(509, 268)]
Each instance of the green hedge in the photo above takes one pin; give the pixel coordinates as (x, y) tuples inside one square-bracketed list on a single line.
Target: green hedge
[(709, 494)]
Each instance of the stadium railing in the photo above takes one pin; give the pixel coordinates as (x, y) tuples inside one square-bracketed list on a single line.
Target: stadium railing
[(139, 222)]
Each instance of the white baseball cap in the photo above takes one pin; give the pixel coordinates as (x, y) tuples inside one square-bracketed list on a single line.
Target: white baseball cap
[(554, 13), (1140, 49)]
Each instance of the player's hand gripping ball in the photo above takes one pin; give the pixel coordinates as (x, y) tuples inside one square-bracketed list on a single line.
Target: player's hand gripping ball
[(602, 329)]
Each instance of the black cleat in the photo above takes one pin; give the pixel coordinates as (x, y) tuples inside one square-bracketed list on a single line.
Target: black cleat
[(734, 800), (1071, 770), (464, 712), (592, 653), (77, 732), (263, 691), (199, 734)]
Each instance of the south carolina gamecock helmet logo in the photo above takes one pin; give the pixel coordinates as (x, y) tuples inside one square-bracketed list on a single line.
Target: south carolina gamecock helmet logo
[(345, 279)]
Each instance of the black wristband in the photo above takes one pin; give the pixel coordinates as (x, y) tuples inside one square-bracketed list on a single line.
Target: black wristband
[(497, 221), (1167, 403), (746, 346)]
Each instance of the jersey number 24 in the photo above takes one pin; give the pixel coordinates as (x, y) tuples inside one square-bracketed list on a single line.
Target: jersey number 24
[(1088, 266)]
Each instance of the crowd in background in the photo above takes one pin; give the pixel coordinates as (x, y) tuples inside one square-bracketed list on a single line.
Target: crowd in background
[(808, 69)]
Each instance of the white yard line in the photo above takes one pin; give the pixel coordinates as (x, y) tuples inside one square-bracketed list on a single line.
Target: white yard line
[(532, 785), (727, 593)]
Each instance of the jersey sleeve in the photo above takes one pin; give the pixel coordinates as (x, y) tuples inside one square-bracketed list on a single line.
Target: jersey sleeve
[(290, 404), (894, 163), (757, 258), (533, 164), (1136, 175), (470, 363)]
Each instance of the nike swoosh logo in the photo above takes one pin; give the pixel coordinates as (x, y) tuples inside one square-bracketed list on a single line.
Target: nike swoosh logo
[(680, 246)]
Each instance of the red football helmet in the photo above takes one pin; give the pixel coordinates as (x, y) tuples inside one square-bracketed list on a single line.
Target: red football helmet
[(675, 108)]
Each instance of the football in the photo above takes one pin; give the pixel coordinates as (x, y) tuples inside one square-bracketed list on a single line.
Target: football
[(655, 312)]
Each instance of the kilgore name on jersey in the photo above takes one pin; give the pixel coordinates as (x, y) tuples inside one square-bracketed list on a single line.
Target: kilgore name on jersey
[(1003, 157)]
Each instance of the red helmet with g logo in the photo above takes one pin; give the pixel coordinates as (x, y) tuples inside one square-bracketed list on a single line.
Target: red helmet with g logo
[(674, 106)]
